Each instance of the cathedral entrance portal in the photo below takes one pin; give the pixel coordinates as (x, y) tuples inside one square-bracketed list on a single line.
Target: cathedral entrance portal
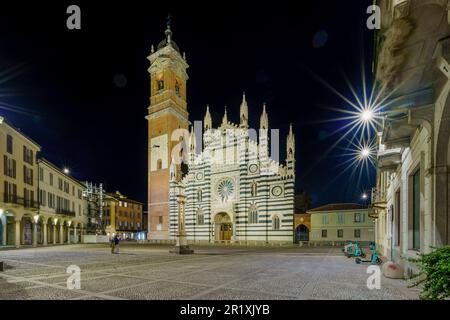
[(223, 227)]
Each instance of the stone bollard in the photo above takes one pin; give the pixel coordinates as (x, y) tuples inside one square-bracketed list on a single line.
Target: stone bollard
[(392, 270)]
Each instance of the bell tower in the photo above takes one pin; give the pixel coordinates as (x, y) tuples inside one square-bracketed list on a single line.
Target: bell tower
[(166, 113)]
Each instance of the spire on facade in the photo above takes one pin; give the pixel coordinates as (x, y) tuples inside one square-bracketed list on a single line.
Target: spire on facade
[(264, 121), (244, 112), (290, 144), (152, 50), (225, 118), (207, 123), (168, 31), (192, 142)]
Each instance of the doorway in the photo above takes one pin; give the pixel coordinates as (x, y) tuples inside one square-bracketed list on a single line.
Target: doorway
[(301, 233), (224, 227)]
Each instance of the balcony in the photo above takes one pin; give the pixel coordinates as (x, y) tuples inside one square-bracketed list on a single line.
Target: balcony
[(379, 202), (65, 212), (389, 159), (378, 197), (26, 203)]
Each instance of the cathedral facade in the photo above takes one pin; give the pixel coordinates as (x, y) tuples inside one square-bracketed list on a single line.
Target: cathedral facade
[(232, 190)]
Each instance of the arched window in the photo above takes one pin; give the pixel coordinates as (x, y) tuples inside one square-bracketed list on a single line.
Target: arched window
[(160, 85), (276, 223), (200, 217), (252, 215), (254, 189), (177, 89)]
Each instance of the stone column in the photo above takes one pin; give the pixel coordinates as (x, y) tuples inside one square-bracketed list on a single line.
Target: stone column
[(17, 233), (34, 234), (54, 233), (75, 235), (68, 235), (44, 226), (61, 234), (5, 230), (428, 212)]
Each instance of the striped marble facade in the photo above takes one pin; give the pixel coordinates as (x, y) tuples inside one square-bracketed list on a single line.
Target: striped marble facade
[(234, 191)]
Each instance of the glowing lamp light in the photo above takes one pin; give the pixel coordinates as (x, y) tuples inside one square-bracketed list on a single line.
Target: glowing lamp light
[(367, 115), (36, 218), (365, 153), (66, 170), (364, 196), (1, 212)]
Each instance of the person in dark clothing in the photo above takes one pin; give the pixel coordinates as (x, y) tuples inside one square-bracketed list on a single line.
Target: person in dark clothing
[(116, 243)]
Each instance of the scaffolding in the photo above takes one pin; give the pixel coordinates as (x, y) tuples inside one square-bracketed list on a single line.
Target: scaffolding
[(94, 195)]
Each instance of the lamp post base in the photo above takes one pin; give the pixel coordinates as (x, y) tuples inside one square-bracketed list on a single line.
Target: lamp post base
[(181, 246), (182, 250)]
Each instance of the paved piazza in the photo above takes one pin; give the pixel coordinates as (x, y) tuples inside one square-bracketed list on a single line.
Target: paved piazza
[(151, 272)]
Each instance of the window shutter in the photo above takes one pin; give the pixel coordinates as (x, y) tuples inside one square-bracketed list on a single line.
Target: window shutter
[(14, 168), (5, 165)]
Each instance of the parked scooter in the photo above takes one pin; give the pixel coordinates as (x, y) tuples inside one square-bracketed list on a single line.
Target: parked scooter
[(354, 251), (374, 259)]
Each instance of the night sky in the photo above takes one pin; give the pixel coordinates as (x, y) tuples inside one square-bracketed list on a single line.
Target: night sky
[(83, 95)]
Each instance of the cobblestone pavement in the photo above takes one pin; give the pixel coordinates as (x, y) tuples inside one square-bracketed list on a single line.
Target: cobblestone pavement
[(151, 272)]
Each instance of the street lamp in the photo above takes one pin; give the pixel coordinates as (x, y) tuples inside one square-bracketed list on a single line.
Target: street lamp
[(367, 115), (66, 170), (365, 153)]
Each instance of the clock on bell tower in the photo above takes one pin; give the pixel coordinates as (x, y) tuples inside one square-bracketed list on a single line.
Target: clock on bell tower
[(166, 113)]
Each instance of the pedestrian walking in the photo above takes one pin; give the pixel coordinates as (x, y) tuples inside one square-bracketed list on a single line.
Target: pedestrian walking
[(116, 243), (113, 245)]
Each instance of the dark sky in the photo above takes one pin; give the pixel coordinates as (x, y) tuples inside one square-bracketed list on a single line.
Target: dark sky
[(86, 92)]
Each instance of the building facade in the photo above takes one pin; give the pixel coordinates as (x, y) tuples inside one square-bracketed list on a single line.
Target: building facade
[(122, 216), (19, 207), (61, 206), (234, 191), (341, 222), (411, 200), (39, 204)]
